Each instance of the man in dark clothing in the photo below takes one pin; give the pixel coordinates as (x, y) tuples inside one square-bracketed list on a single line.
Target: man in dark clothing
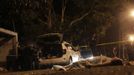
[(93, 44), (26, 58)]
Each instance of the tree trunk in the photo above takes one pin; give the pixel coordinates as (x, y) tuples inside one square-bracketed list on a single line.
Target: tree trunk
[(49, 14), (63, 10)]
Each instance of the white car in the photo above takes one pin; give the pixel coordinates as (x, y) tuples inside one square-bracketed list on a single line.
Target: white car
[(52, 53)]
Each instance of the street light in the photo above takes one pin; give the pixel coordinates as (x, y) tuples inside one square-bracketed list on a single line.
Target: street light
[(132, 13), (131, 38)]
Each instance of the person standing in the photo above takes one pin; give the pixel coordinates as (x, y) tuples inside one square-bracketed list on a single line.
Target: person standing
[(115, 52), (93, 44)]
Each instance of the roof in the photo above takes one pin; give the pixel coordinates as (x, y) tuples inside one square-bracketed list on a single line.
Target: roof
[(6, 35), (7, 32)]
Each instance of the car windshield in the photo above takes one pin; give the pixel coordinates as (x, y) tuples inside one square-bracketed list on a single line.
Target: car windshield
[(50, 50)]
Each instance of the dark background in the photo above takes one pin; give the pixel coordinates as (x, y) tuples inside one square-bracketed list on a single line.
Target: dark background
[(30, 18)]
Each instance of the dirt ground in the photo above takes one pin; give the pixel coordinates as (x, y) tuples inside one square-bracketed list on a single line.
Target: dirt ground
[(106, 70)]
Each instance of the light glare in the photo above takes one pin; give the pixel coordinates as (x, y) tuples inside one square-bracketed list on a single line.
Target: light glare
[(132, 13), (75, 58), (131, 38), (91, 57)]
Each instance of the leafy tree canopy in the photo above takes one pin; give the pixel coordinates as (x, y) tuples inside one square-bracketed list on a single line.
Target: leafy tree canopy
[(82, 18)]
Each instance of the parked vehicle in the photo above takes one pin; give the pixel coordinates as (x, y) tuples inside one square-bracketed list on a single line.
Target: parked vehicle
[(53, 50), (49, 49)]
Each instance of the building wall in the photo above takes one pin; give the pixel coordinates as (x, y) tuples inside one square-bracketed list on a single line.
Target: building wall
[(5, 50)]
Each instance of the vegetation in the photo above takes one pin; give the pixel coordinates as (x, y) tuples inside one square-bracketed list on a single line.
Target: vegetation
[(78, 20)]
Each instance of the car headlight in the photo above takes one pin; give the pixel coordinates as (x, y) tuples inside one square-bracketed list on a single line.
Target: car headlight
[(75, 58)]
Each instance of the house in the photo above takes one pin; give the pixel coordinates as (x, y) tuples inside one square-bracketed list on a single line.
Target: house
[(8, 45)]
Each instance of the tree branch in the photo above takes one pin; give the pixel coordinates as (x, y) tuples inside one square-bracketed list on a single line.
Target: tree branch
[(82, 17), (79, 19)]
